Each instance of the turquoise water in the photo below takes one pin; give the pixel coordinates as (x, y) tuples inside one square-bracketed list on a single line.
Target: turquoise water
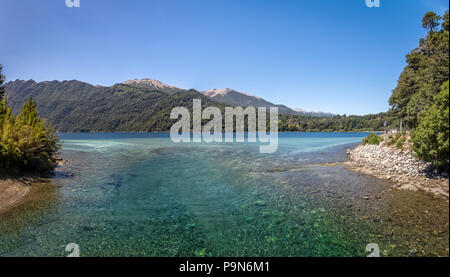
[(142, 195)]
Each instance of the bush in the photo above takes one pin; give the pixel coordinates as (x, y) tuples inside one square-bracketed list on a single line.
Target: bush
[(400, 142), (372, 139), (26, 144), (431, 138)]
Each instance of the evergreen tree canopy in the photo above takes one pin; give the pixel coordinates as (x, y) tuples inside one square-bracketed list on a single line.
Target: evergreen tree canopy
[(427, 69), (26, 143), (2, 80), (431, 138), (431, 21)]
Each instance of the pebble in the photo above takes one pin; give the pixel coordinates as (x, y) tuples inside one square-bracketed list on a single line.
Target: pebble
[(403, 169), (390, 160)]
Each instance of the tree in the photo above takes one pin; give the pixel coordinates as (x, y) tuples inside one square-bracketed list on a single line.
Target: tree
[(445, 23), (2, 97), (2, 80), (3, 111), (431, 138), (426, 70), (431, 21), (27, 144), (28, 115)]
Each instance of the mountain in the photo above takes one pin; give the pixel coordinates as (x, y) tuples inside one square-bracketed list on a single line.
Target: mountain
[(225, 95), (236, 98), (74, 106), (160, 121), (152, 84), (135, 105), (312, 113)]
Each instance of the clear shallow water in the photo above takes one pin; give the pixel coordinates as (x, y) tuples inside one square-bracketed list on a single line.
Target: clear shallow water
[(142, 195)]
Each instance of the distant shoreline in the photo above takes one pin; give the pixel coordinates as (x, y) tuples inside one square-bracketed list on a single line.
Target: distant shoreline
[(166, 132)]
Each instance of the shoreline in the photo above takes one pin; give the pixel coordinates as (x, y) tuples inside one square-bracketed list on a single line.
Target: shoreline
[(405, 171), (168, 132), (14, 190)]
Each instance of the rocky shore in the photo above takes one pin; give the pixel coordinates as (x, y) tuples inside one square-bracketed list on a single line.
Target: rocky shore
[(400, 167)]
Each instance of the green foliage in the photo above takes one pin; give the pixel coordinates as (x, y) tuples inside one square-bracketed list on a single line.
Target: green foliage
[(431, 21), (400, 142), (74, 106), (431, 138), (372, 139), (2, 87), (419, 99), (160, 120), (445, 22), (427, 69), (26, 144), (338, 123)]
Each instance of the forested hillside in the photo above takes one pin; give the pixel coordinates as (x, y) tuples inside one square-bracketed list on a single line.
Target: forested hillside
[(337, 123), (78, 106), (236, 98), (74, 106)]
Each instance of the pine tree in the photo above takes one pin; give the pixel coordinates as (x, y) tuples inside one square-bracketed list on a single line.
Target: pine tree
[(26, 143), (427, 69), (2, 80)]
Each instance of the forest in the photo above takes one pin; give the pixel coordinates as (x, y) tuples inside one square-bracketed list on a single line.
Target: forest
[(75, 106), (420, 102), (27, 143), (421, 98)]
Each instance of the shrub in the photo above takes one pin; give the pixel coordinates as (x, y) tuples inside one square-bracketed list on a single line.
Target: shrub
[(394, 140), (26, 143), (401, 142), (372, 139), (431, 138)]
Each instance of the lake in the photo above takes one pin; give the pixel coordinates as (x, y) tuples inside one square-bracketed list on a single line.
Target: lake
[(142, 195)]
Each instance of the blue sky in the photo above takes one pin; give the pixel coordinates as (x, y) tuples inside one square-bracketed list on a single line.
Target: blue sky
[(337, 56)]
